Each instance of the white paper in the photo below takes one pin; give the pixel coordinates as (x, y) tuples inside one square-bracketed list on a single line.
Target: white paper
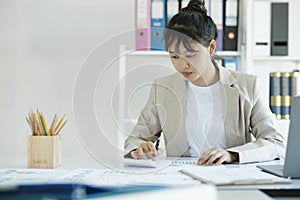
[(29, 176), (102, 177), (231, 175)]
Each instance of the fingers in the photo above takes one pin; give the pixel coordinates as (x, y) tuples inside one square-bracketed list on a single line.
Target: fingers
[(205, 157), (214, 156), (146, 150), (221, 160)]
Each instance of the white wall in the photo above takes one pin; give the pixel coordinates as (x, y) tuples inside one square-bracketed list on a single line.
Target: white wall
[(42, 48)]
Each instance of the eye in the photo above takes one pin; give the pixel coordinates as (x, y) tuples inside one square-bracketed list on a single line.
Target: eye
[(174, 56)]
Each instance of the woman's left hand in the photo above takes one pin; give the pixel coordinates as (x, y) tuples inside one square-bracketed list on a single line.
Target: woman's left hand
[(217, 156)]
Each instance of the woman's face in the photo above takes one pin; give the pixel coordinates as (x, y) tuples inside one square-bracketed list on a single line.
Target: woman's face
[(194, 66)]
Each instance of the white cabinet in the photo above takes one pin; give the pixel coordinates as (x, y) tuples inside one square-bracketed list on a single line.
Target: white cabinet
[(263, 65)]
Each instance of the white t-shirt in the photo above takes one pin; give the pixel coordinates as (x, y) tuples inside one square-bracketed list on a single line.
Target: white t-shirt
[(205, 111)]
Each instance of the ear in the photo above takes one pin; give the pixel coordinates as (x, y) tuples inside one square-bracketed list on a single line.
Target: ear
[(212, 46)]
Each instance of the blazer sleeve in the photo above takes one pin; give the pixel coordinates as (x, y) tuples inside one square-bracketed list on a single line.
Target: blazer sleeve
[(269, 142), (148, 127)]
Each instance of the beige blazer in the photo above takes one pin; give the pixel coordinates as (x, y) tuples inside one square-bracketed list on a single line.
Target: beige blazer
[(250, 128)]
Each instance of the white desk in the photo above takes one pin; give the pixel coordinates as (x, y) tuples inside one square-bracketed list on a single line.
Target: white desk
[(224, 192)]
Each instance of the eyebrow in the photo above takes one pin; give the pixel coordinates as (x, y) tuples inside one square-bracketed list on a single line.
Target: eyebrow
[(187, 51)]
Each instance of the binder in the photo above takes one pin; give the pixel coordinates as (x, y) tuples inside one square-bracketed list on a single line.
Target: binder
[(275, 94), (285, 108), (279, 29), (142, 24), (158, 22), (230, 63), (261, 28), (216, 13), (172, 8), (230, 23)]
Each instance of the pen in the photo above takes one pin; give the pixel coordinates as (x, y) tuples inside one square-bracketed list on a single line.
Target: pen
[(157, 144)]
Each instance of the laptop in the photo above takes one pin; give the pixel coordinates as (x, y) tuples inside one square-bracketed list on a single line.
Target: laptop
[(292, 159)]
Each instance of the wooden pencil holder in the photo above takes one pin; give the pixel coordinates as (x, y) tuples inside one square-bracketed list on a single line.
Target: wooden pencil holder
[(44, 151)]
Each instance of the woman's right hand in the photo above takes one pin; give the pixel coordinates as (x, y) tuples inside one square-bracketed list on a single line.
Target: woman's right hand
[(146, 150)]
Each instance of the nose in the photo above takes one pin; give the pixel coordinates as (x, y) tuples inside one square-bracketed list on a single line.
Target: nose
[(184, 63)]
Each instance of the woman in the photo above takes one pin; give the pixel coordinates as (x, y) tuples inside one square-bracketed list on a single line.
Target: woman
[(204, 110)]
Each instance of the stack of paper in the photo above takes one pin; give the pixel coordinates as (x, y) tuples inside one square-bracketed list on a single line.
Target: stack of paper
[(101, 177), (231, 175)]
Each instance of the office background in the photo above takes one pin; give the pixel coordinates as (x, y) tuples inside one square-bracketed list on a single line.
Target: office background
[(43, 45)]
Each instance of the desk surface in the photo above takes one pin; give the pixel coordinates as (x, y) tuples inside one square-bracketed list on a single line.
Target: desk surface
[(224, 192)]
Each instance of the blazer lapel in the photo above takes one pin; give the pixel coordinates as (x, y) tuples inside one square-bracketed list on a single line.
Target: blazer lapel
[(231, 106), (175, 106), (232, 114)]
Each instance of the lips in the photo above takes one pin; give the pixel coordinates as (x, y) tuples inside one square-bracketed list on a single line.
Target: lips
[(187, 74)]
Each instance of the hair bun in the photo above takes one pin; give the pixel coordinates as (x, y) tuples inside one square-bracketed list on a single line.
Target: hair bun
[(196, 6)]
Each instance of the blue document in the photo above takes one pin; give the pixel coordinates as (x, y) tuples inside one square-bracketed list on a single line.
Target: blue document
[(67, 191)]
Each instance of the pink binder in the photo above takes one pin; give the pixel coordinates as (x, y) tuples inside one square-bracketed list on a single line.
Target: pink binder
[(142, 24)]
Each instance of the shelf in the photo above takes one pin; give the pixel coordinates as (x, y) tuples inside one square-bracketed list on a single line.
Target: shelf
[(148, 53), (276, 58), (165, 53), (228, 53)]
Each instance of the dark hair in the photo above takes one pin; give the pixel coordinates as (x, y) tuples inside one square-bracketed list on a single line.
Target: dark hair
[(191, 23)]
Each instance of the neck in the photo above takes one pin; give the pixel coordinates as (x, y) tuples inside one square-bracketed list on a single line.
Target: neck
[(210, 77)]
